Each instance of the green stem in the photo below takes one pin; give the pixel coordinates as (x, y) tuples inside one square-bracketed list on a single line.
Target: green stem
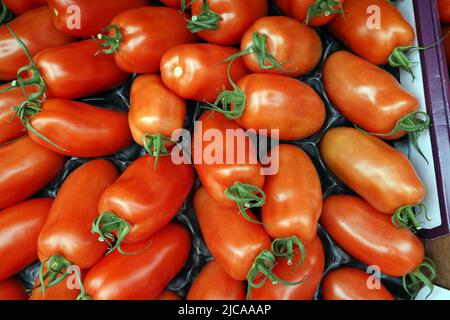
[(405, 217), (55, 266), (247, 196), (155, 145), (110, 43), (206, 20), (284, 248), (422, 276), (323, 7), (5, 14)]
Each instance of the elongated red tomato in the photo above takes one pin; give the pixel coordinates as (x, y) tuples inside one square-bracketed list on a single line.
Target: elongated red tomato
[(168, 295), (446, 31), (65, 290), (198, 71), (309, 273), (12, 289), (369, 236), (380, 174), (20, 226), (372, 28), (93, 15), (35, 28), (213, 283), (314, 13), (142, 28), (233, 241), (176, 3), (225, 21), (26, 168), (294, 196), (155, 262), (295, 47), (80, 129), (19, 7), (365, 94), (349, 283), (444, 10)]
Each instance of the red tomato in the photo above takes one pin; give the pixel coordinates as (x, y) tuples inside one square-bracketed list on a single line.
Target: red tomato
[(79, 129), (309, 273), (156, 261), (314, 13), (20, 225), (75, 71), (365, 94), (213, 283), (93, 15), (225, 21), (444, 10), (446, 31), (380, 174), (19, 7), (296, 48), (233, 241), (142, 28), (176, 3), (369, 236), (293, 196), (348, 283), (143, 200), (168, 295), (217, 175), (35, 28), (358, 29), (12, 289), (198, 71), (26, 168), (65, 290)]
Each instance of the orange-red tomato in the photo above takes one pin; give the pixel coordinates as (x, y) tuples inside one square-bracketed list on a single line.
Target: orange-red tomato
[(155, 262), (293, 195), (358, 29), (296, 46), (12, 289), (349, 283), (19, 7), (213, 283), (80, 129), (175, 3), (367, 95), (168, 295), (35, 28), (380, 174), (298, 9), (446, 32), (233, 241), (369, 235), (444, 10), (279, 102), (26, 168), (94, 15), (10, 125), (65, 290), (20, 226), (235, 17), (311, 272), (197, 71)]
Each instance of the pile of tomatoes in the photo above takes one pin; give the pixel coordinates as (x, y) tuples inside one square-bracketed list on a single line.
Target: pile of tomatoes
[(90, 189)]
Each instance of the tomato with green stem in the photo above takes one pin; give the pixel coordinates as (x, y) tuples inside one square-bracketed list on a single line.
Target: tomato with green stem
[(65, 290), (154, 263), (198, 72), (19, 7), (224, 21), (144, 199), (348, 283), (26, 168), (21, 224), (315, 13), (444, 10), (380, 174), (66, 239), (369, 236), (12, 289)]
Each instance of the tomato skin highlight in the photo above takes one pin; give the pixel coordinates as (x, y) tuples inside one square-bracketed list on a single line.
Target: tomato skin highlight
[(236, 17), (445, 32), (75, 71), (213, 283), (12, 289), (35, 28), (168, 295), (19, 7), (293, 196), (95, 15), (157, 261), (82, 130), (10, 125), (313, 267), (26, 168), (299, 10), (380, 174), (154, 109), (292, 43), (365, 94), (347, 283), (197, 71), (279, 102), (20, 226), (376, 44), (148, 197), (68, 228), (444, 10)]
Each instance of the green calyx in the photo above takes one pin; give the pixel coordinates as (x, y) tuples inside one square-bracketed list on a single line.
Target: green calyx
[(206, 20), (405, 217), (155, 145), (5, 14), (110, 44), (284, 248), (422, 276), (323, 7), (111, 229), (247, 196)]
